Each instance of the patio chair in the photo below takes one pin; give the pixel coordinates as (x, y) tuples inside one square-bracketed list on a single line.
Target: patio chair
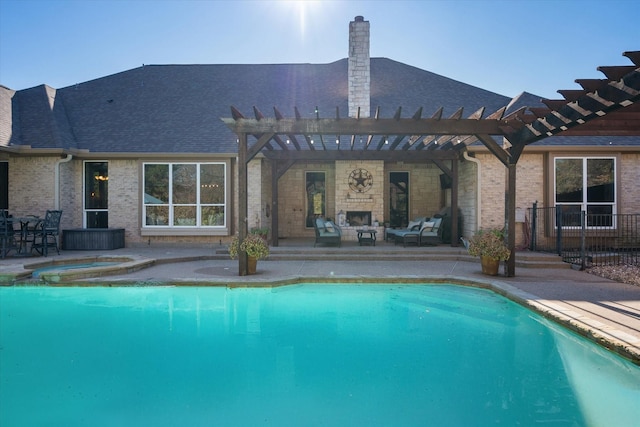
[(431, 232), (47, 233), (7, 234), (391, 233), (327, 232)]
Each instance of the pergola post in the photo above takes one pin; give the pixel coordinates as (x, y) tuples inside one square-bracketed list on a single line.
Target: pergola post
[(510, 220), (243, 206), (454, 204), (274, 203)]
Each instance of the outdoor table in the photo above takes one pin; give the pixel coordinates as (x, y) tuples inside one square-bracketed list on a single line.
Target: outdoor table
[(24, 230), (369, 239)]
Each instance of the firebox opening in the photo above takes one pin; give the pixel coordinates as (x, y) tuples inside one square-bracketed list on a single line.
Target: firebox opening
[(359, 218)]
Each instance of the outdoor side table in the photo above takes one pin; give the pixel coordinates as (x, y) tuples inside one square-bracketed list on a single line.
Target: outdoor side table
[(366, 236)]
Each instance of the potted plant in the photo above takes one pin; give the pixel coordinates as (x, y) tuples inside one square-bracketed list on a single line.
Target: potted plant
[(260, 231), (489, 245), (255, 246)]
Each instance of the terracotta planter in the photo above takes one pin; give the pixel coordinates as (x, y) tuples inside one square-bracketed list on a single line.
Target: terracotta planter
[(252, 264), (490, 266)]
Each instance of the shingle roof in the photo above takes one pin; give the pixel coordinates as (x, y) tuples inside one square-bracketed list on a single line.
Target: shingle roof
[(177, 108)]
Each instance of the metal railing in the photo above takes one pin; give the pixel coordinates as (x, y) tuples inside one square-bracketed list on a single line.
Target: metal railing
[(586, 239)]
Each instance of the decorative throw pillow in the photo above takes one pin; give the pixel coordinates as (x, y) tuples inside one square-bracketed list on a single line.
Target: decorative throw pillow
[(329, 227), (414, 225), (427, 226)]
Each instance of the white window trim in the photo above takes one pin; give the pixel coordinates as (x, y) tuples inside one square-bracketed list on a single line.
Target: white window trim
[(584, 203), (186, 230), (84, 189)]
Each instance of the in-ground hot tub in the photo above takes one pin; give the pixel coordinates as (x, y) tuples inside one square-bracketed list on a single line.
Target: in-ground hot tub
[(66, 270)]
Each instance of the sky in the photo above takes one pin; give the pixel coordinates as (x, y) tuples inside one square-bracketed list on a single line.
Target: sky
[(505, 46)]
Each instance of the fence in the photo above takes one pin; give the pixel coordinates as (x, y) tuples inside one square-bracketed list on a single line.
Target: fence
[(586, 239)]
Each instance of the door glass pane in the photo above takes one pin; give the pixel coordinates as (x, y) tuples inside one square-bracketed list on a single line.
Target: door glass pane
[(96, 185), (97, 219), (600, 186), (315, 184), (568, 180), (399, 199)]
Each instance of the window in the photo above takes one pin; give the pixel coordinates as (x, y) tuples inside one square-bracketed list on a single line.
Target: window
[(184, 194), (586, 184), (96, 194)]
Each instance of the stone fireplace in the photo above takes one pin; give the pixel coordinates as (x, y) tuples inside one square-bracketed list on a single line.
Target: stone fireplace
[(359, 218)]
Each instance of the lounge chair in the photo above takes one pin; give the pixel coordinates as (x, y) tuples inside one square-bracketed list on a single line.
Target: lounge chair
[(391, 233), (431, 232), (327, 232), (428, 233)]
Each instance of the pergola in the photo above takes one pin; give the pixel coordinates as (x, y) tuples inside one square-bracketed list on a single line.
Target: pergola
[(609, 106)]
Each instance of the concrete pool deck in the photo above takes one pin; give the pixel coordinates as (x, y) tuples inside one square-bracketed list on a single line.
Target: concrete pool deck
[(606, 311)]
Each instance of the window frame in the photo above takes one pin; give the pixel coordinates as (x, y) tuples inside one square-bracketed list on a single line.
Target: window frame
[(585, 204), (170, 225), (85, 209)]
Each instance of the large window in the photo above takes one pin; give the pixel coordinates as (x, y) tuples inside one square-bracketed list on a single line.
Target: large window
[(96, 194), (586, 184), (184, 194)]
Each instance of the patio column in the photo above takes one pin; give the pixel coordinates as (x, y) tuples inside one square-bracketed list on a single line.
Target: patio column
[(243, 205), (510, 220)]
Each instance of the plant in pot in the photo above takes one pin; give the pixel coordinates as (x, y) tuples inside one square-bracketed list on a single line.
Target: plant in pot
[(489, 245), (260, 231), (255, 246)]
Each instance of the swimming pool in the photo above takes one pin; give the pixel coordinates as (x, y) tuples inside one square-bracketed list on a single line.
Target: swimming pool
[(304, 355)]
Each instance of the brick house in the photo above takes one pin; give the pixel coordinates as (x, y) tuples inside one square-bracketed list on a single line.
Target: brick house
[(146, 150)]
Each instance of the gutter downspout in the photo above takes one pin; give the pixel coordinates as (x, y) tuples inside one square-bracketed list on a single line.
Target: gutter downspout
[(56, 197), (478, 193)]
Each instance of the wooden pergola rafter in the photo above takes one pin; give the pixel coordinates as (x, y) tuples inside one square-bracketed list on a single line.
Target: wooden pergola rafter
[(434, 139)]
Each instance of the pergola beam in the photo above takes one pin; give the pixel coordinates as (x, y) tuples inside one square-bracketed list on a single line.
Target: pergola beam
[(348, 126)]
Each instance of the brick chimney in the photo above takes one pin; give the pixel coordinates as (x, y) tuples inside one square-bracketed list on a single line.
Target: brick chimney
[(359, 68)]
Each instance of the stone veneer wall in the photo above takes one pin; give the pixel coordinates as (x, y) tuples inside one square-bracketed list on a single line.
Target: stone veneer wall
[(292, 198), (359, 68), (468, 197), (349, 200)]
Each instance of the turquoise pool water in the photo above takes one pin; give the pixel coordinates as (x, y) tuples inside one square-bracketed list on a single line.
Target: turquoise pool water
[(305, 355)]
